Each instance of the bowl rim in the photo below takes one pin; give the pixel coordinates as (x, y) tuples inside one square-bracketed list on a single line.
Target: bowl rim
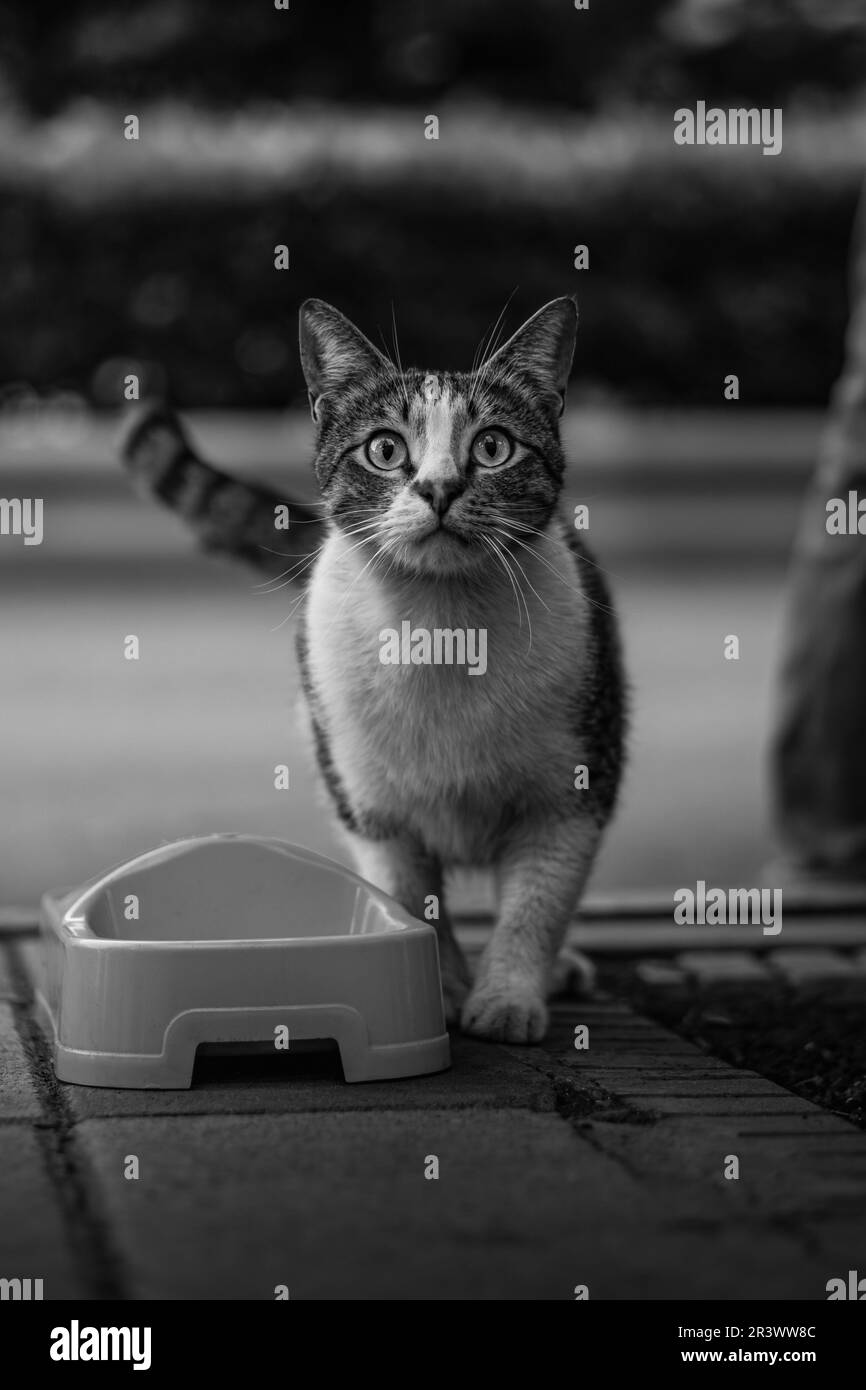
[(66, 913)]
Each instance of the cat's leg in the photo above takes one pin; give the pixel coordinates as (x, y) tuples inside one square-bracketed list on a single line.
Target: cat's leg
[(572, 974), (402, 868), (543, 871)]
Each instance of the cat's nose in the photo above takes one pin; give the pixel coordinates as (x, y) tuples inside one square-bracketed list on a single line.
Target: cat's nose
[(439, 492)]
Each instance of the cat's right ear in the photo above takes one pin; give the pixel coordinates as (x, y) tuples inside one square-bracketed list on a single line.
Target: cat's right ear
[(542, 350), (334, 352)]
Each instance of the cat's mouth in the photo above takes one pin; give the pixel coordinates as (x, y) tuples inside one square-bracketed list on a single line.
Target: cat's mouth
[(439, 532), (439, 549)]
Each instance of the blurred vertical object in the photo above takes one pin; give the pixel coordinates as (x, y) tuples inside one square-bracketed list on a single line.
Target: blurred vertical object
[(819, 751)]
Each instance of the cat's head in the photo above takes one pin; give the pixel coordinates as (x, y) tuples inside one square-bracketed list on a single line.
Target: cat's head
[(436, 470)]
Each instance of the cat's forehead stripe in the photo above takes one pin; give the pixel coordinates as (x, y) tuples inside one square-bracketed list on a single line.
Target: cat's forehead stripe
[(432, 389), (441, 417)]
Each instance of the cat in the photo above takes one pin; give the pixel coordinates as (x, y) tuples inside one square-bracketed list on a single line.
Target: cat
[(441, 501)]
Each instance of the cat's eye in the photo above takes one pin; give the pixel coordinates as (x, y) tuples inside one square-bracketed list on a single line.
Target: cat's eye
[(386, 451), (490, 448)]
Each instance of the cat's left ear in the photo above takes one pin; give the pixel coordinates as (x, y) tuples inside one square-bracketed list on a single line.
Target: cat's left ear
[(334, 352), (543, 350)]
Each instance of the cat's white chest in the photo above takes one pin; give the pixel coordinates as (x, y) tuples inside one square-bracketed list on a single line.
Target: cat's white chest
[(420, 733)]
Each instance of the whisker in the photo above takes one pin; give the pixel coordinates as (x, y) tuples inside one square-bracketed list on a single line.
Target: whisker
[(306, 520), (302, 596), (399, 359), (298, 601), (490, 347), (271, 586), (522, 570), (553, 570), (288, 577), (507, 559), (381, 551), (512, 521), (385, 349), (497, 548), (495, 332), (488, 541)]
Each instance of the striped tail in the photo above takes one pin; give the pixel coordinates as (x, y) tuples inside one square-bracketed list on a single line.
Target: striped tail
[(227, 517)]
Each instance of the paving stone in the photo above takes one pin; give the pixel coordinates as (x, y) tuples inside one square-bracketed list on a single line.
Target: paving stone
[(631, 1082), (724, 967), (606, 1053), (837, 1251), (482, 1075), (660, 975), (811, 1122), (19, 1099), (780, 1174), (336, 1206), (621, 1035), (802, 968), (682, 1064), (630, 1040), (33, 1243), (598, 1004), (619, 1024), (638, 1055), (664, 1102)]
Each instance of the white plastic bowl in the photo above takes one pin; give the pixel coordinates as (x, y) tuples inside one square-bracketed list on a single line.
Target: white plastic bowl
[(236, 939)]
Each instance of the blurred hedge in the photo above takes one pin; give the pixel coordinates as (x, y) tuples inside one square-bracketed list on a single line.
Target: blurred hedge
[(265, 126), (702, 262), (225, 53)]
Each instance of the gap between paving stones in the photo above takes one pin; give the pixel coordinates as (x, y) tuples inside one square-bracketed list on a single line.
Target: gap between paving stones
[(70, 1174)]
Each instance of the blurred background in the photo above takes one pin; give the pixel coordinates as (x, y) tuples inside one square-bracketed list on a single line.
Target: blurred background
[(305, 127)]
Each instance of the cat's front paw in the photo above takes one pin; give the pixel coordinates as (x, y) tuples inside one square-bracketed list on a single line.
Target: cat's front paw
[(505, 1012)]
